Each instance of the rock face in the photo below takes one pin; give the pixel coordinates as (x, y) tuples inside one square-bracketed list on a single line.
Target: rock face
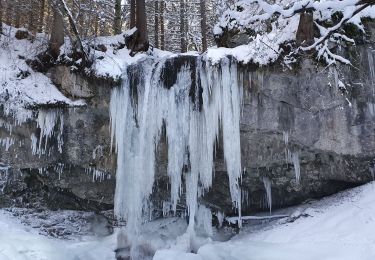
[(306, 133)]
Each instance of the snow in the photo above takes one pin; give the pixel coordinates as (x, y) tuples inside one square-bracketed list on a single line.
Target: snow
[(264, 48), (19, 242), (18, 89), (265, 45), (338, 227), (113, 61)]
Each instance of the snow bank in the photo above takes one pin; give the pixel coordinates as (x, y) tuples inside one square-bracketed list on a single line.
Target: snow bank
[(339, 227)]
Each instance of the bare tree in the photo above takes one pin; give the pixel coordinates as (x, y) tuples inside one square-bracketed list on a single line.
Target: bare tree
[(57, 33), (9, 13), (142, 43), (1, 17), (132, 14), (156, 21), (203, 24), (118, 19), (162, 30), (182, 26), (41, 15), (31, 16)]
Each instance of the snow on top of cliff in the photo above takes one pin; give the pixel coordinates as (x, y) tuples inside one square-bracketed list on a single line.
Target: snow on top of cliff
[(20, 86), (110, 56), (269, 31)]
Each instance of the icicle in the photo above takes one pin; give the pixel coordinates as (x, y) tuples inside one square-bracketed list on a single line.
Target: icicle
[(286, 137), (371, 108), (297, 168), (204, 220), (97, 152), (59, 168), (7, 143), (268, 188), (4, 175), (47, 121), (231, 129), (191, 130), (220, 218), (34, 144), (371, 65)]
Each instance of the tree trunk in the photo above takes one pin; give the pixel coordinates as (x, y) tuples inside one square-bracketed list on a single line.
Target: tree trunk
[(73, 26), (96, 25), (182, 27), (141, 43), (305, 31), (31, 26), (41, 15), (117, 21), (57, 34), (132, 14), (156, 24), (162, 31), (17, 22), (1, 17), (9, 14), (203, 24)]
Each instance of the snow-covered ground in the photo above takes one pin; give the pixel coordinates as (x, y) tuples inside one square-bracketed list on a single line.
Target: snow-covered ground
[(18, 241), (338, 227)]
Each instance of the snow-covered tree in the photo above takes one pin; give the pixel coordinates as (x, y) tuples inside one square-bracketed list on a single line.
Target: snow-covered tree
[(294, 27)]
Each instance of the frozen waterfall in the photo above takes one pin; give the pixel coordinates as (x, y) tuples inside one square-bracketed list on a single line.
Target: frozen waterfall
[(192, 123)]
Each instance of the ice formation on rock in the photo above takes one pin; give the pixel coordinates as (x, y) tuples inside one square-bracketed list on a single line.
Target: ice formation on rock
[(4, 172), (138, 114), (204, 220), (297, 167), (268, 188), (50, 123), (7, 143), (370, 57), (97, 175)]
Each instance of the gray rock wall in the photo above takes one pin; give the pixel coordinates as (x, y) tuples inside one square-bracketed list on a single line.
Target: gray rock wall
[(329, 127)]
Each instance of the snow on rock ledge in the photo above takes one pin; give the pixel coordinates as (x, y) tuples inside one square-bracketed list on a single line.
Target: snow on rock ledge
[(20, 86)]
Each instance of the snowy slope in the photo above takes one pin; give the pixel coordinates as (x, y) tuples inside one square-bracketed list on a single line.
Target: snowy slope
[(339, 227), (20, 86), (18, 242)]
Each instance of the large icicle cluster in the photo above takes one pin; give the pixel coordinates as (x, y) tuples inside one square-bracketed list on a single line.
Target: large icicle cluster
[(192, 129), (47, 121)]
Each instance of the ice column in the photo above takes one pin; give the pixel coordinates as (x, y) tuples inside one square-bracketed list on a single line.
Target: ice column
[(192, 129), (48, 124), (267, 187)]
